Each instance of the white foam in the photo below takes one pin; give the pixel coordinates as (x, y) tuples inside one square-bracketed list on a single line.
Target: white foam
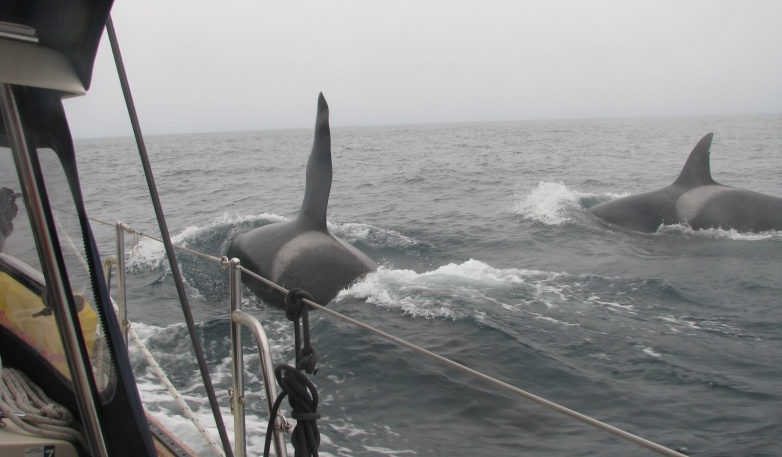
[(730, 234), (387, 451), (550, 203), (689, 325), (475, 270), (597, 300), (371, 235), (160, 404), (227, 219), (146, 253), (441, 293), (469, 289), (541, 317)]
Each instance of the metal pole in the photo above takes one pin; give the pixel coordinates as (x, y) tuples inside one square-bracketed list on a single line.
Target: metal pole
[(264, 352), (237, 360), (239, 318), (121, 291), (56, 290), (164, 234)]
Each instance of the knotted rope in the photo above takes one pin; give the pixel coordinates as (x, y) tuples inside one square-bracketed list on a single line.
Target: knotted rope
[(303, 396)]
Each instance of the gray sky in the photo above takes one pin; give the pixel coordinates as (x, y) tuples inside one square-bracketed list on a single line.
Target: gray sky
[(198, 66)]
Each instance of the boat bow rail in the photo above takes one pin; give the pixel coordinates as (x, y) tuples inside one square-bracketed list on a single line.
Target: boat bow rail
[(240, 318)]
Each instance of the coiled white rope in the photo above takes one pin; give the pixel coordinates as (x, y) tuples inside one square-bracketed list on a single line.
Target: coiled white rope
[(174, 393), (26, 405)]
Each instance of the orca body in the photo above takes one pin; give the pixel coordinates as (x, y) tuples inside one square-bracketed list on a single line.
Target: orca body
[(694, 199), (302, 253)]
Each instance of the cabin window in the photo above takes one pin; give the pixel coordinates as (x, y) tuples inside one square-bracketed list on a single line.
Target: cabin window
[(22, 309)]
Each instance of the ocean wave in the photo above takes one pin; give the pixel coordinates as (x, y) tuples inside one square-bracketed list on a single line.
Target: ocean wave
[(524, 303), (457, 291), (689, 325), (228, 219), (144, 253), (171, 348), (370, 235)]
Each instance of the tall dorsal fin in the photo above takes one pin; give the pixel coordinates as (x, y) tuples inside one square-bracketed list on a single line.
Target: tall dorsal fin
[(696, 171), (318, 187)]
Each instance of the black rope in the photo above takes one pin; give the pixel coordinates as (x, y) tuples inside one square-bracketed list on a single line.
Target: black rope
[(306, 357), (301, 392)]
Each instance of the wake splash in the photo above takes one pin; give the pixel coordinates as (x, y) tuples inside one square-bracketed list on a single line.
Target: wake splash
[(452, 291), (171, 348), (512, 298), (145, 254), (371, 236), (554, 204), (720, 234), (207, 279)]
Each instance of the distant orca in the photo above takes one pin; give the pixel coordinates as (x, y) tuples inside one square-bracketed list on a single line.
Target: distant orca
[(302, 253), (697, 200)]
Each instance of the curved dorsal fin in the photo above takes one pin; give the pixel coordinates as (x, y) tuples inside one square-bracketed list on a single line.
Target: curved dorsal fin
[(696, 171), (318, 187)]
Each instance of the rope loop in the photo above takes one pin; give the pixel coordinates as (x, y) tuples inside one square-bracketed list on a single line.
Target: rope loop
[(308, 359), (293, 307), (303, 399), (301, 392)]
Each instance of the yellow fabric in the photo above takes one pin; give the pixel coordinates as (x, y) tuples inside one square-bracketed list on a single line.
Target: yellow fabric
[(20, 312)]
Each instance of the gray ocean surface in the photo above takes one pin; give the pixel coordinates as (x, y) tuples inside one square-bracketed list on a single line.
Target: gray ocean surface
[(487, 257)]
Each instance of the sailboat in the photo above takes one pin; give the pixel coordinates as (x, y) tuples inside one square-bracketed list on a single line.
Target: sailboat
[(68, 388)]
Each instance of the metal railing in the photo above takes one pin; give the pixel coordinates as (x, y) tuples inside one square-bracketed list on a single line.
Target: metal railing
[(239, 319)]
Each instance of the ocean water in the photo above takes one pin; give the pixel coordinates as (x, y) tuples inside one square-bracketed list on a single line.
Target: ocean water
[(487, 256)]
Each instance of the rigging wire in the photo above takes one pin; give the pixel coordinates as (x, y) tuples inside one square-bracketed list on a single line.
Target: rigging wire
[(172, 390), (662, 450), (503, 385), (170, 253)]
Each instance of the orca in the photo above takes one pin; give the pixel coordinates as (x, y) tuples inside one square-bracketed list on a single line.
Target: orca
[(302, 253), (696, 200)]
